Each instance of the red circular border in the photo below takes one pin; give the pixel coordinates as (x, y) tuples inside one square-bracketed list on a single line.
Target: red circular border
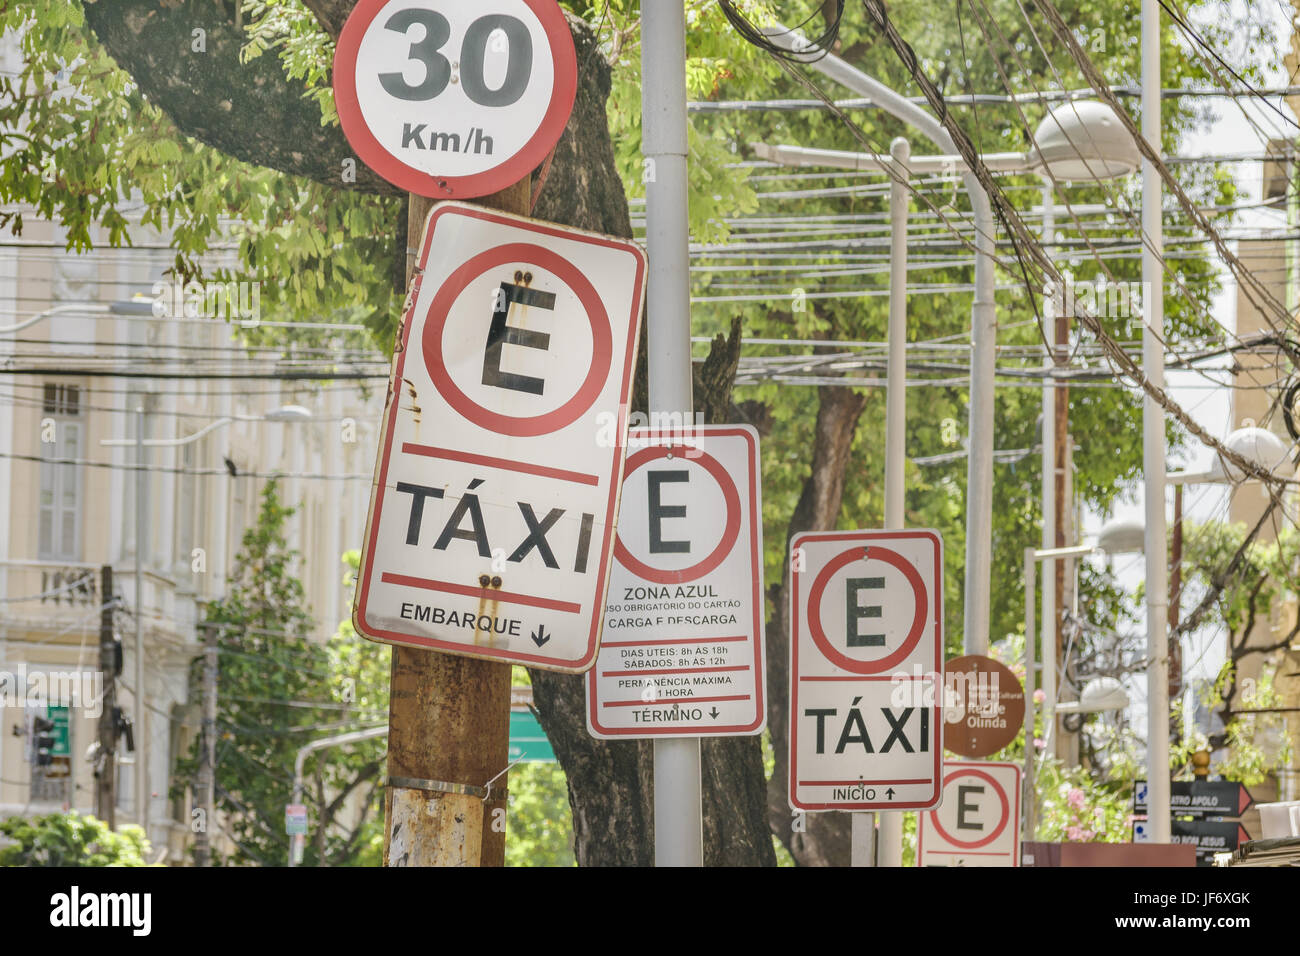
[(729, 532), (1002, 824), (919, 616), (509, 171), (602, 335)]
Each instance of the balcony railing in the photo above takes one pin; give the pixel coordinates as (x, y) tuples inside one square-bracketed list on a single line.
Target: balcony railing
[(64, 597), (74, 586)]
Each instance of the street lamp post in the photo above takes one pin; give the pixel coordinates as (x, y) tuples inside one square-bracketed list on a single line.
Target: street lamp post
[(979, 484), (1076, 142), (1094, 153)]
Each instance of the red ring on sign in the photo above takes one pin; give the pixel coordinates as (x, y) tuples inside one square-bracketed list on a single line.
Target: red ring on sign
[(729, 532), (1002, 823), (602, 339), (509, 171), (892, 558)]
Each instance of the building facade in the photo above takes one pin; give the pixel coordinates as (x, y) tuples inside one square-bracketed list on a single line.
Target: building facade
[(85, 342)]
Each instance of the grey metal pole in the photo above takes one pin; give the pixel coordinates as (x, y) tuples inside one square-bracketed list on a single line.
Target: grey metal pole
[(679, 828), (979, 466), (1153, 441), (1049, 490), (141, 734), (979, 462), (896, 376), (891, 824)]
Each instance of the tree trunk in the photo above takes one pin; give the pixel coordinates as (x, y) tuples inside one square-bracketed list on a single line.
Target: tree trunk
[(813, 839), (611, 782)]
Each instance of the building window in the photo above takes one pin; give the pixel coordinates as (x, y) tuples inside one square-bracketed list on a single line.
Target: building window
[(60, 492)]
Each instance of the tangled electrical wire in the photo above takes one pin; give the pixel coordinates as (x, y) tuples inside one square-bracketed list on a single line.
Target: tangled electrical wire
[(823, 44), (1290, 405)]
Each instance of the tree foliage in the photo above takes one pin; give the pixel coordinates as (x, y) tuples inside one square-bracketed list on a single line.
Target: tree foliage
[(71, 839), (277, 690)]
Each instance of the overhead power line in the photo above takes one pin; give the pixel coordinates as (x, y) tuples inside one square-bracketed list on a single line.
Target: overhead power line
[(975, 99)]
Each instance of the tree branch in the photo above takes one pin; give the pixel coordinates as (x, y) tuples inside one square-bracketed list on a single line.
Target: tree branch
[(251, 111)]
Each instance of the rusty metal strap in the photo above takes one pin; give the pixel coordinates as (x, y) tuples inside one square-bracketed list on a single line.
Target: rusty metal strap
[(442, 786)]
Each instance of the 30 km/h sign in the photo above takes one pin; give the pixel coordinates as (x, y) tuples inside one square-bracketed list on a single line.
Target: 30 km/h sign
[(682, 654), (866, 675), (491, 517), (451, 99), (978, 822)]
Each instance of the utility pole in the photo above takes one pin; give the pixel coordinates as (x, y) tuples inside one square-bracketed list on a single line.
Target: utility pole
[(106, 764), (141, 731), (208, 752), (448, 716)]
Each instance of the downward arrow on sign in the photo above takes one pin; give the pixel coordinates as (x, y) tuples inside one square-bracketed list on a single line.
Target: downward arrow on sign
[(714, 713), (540, 636)]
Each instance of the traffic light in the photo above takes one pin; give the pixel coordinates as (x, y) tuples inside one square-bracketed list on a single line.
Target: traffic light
[(43, 741), (122, 728)]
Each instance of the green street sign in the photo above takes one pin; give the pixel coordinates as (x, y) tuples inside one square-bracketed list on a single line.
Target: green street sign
[(528, 740), (59, 715)]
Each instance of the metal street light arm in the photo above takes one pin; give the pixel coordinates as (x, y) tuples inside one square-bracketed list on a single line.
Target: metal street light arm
[(337, 740), (96, 308), (170, 442), (846, 159), (979, 466)]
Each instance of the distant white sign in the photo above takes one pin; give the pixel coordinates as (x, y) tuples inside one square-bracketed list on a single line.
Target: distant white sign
[(295, 819), (682, 653), (866, 674)]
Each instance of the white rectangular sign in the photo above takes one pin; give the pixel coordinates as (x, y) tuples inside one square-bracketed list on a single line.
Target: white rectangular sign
[(492, 511), (866, 674), (978, 822), (682, 654)]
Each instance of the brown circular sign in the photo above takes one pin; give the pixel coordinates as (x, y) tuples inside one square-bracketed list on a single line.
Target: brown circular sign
[(984, 706)]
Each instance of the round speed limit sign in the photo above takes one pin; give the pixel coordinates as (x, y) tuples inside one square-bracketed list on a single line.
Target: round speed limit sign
[(451, 99)]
